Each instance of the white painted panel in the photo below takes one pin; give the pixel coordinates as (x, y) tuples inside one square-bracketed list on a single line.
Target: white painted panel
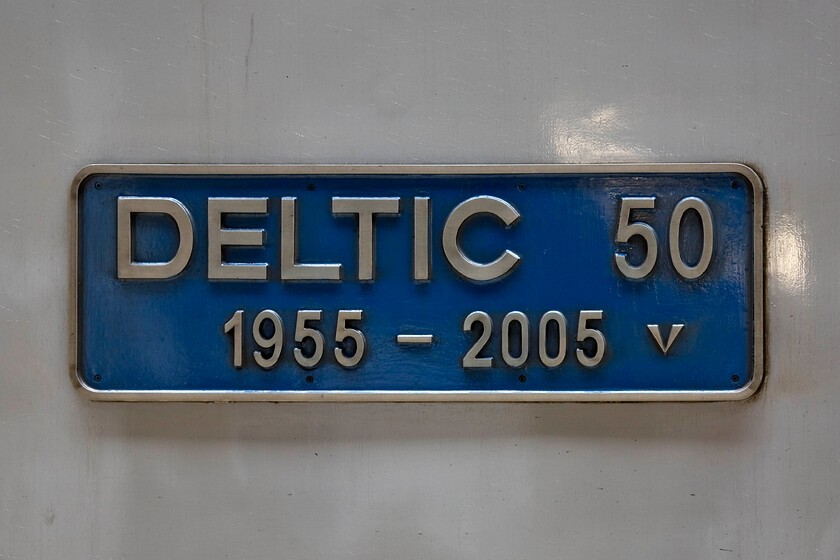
[(432, 82)]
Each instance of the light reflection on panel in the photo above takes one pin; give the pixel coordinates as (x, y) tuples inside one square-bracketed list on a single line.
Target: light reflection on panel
[(603, 134), (790, 256)]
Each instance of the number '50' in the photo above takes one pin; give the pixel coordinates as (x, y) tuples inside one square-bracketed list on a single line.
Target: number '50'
[(627, 229)]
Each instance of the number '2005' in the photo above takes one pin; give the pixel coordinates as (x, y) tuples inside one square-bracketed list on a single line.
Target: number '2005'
[(584, 332)]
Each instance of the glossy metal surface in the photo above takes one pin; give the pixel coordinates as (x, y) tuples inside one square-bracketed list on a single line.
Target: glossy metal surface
[(344, 332), (559, 319), (663, 343), (219, 237), (127, 267), (366, 210), (699, 206), (507, 335), (415, 338), (586, 332), (302, 332), (725, 361), (290, 269), (316, 82), (465, 266), (626, 230), (471, 358), (422, 206)]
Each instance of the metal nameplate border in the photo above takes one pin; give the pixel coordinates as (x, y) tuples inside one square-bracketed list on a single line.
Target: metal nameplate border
[(423, 396)]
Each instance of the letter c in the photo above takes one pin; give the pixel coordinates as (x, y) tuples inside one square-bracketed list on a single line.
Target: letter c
[(462, 264)]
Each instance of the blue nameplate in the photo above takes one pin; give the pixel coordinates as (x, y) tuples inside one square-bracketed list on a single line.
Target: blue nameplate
[(528, 283)]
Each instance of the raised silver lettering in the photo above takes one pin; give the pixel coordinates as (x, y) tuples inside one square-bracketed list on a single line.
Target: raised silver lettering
[(366, 209), (462, 264), (289, 267), (218, 237), (686, 204), (127, 267), (421, 238)]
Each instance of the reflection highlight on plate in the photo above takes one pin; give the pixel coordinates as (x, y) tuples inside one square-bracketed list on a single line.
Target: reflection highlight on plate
[(600, 135), (790, 258)]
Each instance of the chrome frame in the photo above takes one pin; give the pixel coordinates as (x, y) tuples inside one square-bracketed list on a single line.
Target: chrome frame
[(426, 396)]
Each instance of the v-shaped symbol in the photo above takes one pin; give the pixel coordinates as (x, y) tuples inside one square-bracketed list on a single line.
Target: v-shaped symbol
[(672, 336)]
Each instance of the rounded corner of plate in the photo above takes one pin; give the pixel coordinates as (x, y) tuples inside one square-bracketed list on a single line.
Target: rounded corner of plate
[(83, 175), (750, 389), (86, 391), (751, 176)]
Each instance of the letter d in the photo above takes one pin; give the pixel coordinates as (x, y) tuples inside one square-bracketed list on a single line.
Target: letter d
[(127, 267)]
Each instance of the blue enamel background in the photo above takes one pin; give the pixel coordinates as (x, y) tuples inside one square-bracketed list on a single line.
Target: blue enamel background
[(137, 335)]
